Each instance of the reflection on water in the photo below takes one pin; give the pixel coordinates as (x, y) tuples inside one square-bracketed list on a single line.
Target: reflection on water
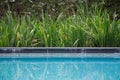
[(59, 71)]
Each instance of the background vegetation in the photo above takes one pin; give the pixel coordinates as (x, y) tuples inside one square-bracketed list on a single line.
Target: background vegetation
[(59, 23), (53, 7)]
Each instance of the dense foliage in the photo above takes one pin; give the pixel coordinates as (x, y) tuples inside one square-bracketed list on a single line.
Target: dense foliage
[(91, 27), (53, 7)]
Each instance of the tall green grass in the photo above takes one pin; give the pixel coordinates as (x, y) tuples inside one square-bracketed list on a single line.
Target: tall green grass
[(90, 27)]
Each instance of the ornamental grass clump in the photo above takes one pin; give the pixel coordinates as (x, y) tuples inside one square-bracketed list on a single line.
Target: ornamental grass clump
[(89, 27)]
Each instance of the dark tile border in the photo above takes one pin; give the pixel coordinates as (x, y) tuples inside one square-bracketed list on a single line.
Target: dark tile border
[(6, 51), (59, 50), (102, 51)]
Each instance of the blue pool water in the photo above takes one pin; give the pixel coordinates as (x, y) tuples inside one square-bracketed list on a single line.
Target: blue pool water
[(60, 68)]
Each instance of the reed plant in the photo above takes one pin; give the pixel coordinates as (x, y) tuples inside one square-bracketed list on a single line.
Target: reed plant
[(89, 27)]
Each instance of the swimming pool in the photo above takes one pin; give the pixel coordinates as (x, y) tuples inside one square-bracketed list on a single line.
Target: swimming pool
[(60, 64)]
